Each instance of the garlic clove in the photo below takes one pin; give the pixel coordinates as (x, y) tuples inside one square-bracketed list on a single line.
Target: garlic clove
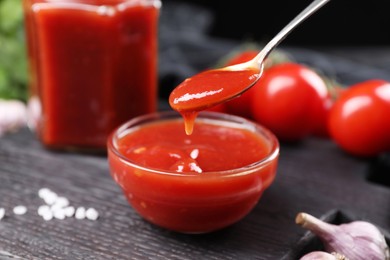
[(358, 240), (319, 255), (13, 115)]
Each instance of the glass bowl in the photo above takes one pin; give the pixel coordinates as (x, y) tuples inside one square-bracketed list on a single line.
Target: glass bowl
[(191, 202)]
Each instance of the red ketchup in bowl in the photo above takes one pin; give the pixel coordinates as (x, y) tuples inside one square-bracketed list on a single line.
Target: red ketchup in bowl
[(193, 183)]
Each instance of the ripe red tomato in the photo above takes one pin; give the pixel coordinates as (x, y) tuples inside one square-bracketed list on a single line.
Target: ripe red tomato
[(241, 57), (221, 108), (241, 105), (359, 121), (291, 100)]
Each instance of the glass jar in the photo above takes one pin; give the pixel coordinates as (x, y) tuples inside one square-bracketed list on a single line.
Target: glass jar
[(92, 66)]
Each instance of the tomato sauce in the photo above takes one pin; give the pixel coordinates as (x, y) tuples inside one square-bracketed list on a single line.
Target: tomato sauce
[(92, 67), (192, 183), (211, 147), (208, 89)]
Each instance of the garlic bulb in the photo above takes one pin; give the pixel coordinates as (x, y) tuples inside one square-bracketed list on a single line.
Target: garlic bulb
[(358, 240), (319, 255), (13, 115)]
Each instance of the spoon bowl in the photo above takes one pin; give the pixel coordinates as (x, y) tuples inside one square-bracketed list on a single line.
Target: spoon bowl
[(212, 87)]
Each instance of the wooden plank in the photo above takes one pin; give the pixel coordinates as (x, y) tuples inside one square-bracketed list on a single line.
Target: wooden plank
[(314, 176)]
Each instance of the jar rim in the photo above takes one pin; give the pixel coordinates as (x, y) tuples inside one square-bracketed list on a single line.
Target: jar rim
[(102, 9)]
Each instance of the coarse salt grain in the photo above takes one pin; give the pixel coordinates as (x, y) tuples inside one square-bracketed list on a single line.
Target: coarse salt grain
[(92, 214), (43, 209), (62, 202), (48, 215), (58, 207), (43, 192), (20, 210), (80, 213), (59, 214), (50, 198), (55, 207), (69, 211), (2, 213)]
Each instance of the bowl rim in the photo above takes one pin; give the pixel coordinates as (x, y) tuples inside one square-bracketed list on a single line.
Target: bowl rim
[(203, 115)]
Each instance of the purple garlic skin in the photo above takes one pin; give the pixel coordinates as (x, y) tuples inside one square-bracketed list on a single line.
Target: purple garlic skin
[(358, 240)]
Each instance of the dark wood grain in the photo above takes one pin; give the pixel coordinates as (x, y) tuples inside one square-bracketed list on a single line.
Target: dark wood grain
[(314, 176)]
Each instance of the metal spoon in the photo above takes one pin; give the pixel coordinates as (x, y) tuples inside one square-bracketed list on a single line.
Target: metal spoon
[(212, 87)]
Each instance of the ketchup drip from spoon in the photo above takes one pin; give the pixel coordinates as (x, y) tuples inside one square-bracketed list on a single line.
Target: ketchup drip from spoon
[(208, 89), (213, 87)]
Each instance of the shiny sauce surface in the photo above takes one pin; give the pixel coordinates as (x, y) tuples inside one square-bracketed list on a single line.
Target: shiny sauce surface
[(207, 89), (95, 67), (212, 147)]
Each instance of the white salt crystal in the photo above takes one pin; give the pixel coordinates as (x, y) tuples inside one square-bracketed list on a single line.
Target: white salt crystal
[(43, 209), (47, 215), (43, 192), (20, 210), (50, 198), (55, 207), (59, 214), (92, 214), (69, 211), (2, 213), (58, 207), (62, 202), (80, 213)]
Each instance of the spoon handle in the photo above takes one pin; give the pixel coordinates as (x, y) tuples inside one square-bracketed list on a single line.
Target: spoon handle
[(308, 11)]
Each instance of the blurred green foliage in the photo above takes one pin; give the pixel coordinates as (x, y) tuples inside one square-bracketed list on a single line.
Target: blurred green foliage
[(13, 62)]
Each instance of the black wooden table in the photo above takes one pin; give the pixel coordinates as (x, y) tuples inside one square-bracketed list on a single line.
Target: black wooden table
[(314, 176)]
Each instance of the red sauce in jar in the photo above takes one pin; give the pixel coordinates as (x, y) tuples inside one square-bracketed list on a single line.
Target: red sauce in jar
[(92, 67), (192, 183)]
